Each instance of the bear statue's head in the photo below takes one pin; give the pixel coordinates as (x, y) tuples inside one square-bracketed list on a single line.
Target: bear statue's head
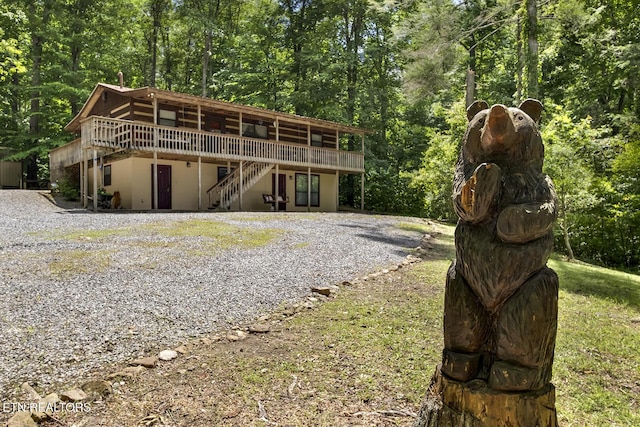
[(504, 135)]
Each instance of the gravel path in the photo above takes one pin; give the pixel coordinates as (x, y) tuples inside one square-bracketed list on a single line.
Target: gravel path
[(73, 298)]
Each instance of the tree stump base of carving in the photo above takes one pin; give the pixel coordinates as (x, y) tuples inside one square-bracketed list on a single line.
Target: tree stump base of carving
[(450, 403)]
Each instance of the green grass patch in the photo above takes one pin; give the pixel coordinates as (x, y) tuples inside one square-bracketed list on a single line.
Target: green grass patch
[(66, 264), (222, 235), (415, 227)]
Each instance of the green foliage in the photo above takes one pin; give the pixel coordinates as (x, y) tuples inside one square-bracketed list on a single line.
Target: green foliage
[(434, 178)]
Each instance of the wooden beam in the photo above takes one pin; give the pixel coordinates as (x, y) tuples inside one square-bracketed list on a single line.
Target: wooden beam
[(308, 189), (199, 183), (362, 191), (85, 179), (95, 180), (277, 182), (241, 189), (154, 202), (337, 191)]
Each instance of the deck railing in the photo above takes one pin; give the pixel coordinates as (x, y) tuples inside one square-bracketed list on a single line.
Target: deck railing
[(128, 135)]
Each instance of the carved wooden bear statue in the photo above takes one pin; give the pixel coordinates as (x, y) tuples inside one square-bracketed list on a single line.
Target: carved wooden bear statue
[(501, 301)]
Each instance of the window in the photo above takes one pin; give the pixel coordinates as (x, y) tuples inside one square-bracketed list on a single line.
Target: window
[(255, 131), (106, 175), (302, 190), (167, 118), (316, 139)]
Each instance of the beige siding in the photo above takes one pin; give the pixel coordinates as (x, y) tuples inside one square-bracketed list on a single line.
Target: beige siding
[(10, 174), (184, 183), (132, 178), (252, 198), (121, 179)]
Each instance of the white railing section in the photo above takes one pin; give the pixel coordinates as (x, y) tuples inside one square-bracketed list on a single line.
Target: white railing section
[(227, 190), (127, 135)]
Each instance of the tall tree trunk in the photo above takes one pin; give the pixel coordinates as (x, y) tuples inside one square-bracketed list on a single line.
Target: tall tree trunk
[(564, 225), (75, 67), (353, 40), (154, 49), (519, 53), (37, 40), (532, 44), (205, 61), (168, 61), (470, 90)]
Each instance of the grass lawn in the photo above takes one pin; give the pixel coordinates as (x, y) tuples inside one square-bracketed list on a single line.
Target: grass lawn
[(365, 357)]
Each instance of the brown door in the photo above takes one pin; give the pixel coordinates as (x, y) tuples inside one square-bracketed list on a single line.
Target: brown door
[(282, 189), (164, 186)]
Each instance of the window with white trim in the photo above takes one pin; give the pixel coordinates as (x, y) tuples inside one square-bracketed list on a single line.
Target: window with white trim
[(302, 190)]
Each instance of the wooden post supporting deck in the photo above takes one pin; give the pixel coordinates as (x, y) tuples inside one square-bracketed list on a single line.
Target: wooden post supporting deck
[(241, 185), (277, 182), (95, 180), (199, 159), (85, 180), (337, 190), (199, 183), (154, 202), (308, 189)]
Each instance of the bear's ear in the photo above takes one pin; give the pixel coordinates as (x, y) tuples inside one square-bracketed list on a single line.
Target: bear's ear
[(476, 107), (533, 108)]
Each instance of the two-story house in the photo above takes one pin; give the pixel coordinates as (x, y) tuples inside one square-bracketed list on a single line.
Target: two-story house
[(165, 150)]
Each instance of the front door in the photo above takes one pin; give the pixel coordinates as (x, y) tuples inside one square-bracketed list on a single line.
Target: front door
[(282, 189), (164, 186)]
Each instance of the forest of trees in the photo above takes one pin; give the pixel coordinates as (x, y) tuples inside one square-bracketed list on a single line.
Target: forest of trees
[(398, 67)]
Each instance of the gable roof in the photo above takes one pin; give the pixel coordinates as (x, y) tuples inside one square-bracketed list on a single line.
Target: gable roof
[(186, 99)]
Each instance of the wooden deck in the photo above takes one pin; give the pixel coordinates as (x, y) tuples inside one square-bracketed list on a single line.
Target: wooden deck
[(126, 135)]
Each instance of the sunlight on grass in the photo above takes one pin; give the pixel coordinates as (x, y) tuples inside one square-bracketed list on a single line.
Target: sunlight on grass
[(597, 364), (223, 235), (415, 227)]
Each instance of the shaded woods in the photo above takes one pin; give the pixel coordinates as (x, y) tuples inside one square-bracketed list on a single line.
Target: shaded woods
[(396, 67)]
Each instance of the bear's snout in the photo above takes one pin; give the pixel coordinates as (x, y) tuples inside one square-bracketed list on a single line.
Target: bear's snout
[(498, 129)]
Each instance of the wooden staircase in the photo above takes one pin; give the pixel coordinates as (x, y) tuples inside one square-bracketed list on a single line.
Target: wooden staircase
[(227, 190)]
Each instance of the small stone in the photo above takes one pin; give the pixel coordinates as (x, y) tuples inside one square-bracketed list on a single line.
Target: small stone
[(182, 349), (394, 268), (237, 336), (97, 389), (129, 371), (21, 419), (323, 290), (309, 305), (347, 283), (385, 271), (312, 299), (206, 341), (182, 371), (264, 318), (147, 362), (31, 393), (73, 395), (287, 312), (260, 328), (167, 355), (49, 399)]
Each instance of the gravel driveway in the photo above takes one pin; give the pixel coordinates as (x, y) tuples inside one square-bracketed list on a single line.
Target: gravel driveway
[(73, 298)]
